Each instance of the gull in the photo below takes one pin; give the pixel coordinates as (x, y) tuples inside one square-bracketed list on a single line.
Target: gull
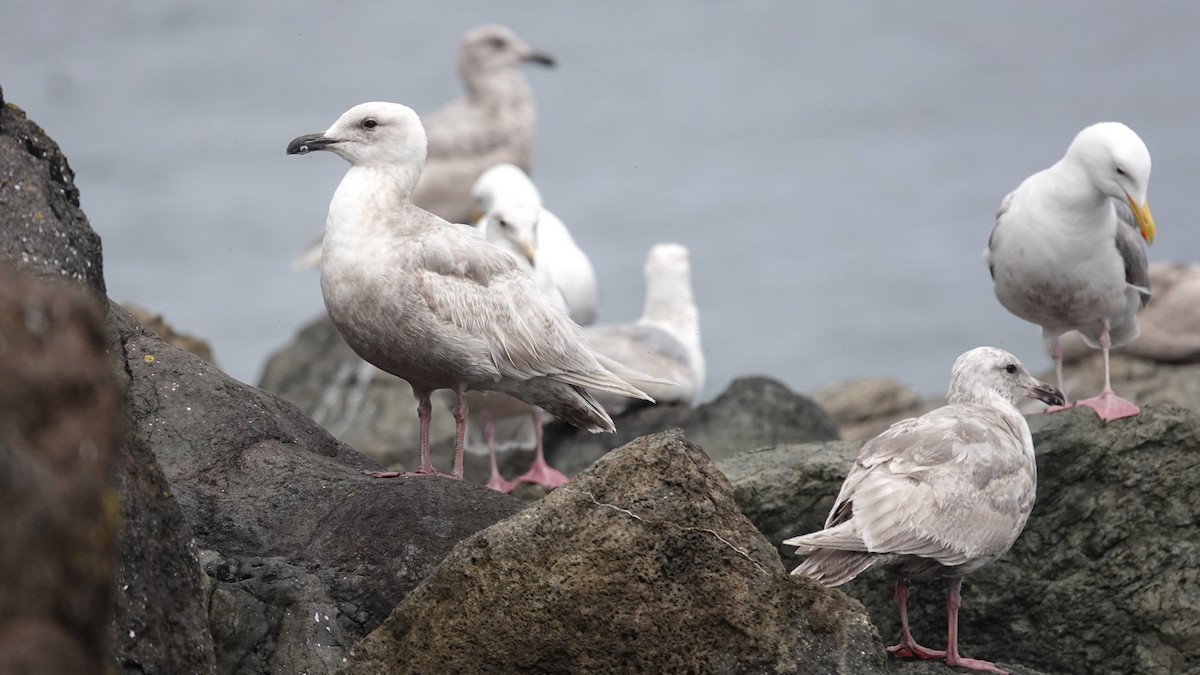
[(507, 208), (937, 496), (433, 302), (492, 122), (665, 341), (1065, 252)]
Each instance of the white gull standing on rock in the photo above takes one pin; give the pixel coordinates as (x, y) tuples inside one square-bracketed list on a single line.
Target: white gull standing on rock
[(507, 208), (432, 302), (937, 496), (1065, 252), (493, 122), (665, 341)]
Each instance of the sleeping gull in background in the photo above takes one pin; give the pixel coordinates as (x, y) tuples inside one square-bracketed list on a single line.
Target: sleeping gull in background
[(937, 496), (493, 122), (1065, 252), (507, 208), (432, 302), (665, 341)]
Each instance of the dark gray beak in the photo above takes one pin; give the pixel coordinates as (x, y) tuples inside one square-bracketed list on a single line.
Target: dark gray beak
[(1047, 394), (541, 58), (304, 144)]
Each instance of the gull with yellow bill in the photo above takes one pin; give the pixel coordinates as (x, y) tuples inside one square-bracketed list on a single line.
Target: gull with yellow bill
[(1068, 250)]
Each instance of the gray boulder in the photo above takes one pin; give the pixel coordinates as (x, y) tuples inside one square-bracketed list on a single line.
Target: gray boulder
[(752, 413), (643, 563), (42, 228), (1102, 579)]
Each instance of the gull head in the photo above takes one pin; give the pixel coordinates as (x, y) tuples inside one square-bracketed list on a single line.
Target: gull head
[(513, 226), (377, 134), (1118, 163), (668, 261), (506, 207), (984, 373), (493, 47)]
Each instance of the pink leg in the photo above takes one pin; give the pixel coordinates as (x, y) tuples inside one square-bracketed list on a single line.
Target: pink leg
[(1057, 353), (908, 647), (424, 410), (496, 482), (460, 432), (541, 473), (953, 660), (1108, 405)]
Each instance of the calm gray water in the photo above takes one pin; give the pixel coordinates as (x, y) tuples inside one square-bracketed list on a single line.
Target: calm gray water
[(834, 167)]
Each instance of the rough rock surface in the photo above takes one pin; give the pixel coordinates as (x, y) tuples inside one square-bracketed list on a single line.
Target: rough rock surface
[(1103, 580), (60, 426), (42, 227), (155, 323), (753, 412), (641, 564), (282, 505), (864, 407)]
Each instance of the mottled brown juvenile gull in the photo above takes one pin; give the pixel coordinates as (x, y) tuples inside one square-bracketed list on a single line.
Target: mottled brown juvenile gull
[(432, 302), (937, 496), (1065, 252), (665, 341), (494, 121)]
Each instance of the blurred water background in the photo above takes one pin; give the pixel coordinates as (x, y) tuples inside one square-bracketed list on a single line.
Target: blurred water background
[(834, 167)]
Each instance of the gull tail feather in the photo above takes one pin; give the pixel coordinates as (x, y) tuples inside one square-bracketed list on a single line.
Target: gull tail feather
[(602, 380), (632, 376), (832, 567)]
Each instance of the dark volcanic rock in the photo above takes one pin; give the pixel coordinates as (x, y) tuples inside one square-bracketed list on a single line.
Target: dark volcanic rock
[(641, 564), (752, 413), (1104, 578), (42, 228), (60, 425), (261, 484)]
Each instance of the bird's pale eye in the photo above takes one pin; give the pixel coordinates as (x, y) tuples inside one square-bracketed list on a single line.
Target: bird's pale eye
[(369, 123), (1010, 368)]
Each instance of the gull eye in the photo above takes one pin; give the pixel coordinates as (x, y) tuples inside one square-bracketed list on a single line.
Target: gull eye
[(1010, 368), (502, 223), (1120, 171), (496, 42), (370, 123)]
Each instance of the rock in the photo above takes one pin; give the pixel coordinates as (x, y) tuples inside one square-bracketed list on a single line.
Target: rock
[(258, 480), (160, 621), (1102, 580), (753, 412), (864, 407), (364, 407), (1143, 381), (641, 564), (1170, 323), (155, 323), (42, 228), (60, 426)]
